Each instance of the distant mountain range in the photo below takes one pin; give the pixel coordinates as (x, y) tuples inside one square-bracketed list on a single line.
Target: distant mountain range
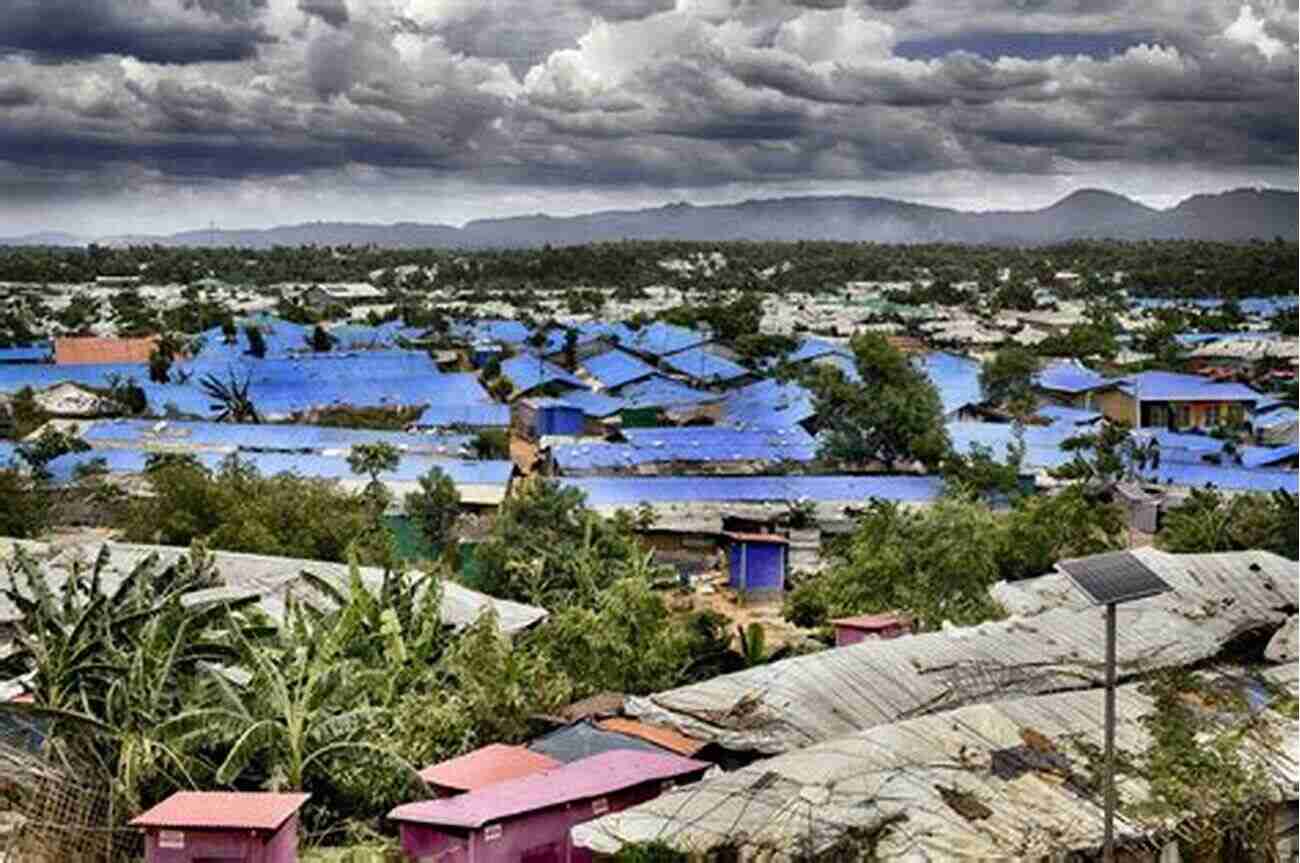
[(1235, 216)]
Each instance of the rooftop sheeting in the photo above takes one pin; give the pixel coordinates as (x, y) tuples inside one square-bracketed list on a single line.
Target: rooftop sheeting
[(660, 339), (1042, 443), (83, 350), (229, 437), (767, 404), (1062, 416), (1069, 376), (1169, 386), (811, 699), (273, 579), (490, 330), (629, 491), (798, 805), (701, 364), (1222, 477), (441, 415), (812, 348), (527, 372), (956, 378), (661, 392), (592, 404), (30, 354), (615, 368), (688, 444)]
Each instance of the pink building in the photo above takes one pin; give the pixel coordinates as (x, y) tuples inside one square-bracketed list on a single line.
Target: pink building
[(527, 820), (229, 826), (486, 766), (851, 630)]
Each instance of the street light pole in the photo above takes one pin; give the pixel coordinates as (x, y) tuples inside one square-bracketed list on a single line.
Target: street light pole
[(1108, 836)]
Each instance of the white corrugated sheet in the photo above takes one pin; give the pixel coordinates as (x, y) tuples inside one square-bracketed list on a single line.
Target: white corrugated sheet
[(798, 805), (273, 579), (1053, 643)]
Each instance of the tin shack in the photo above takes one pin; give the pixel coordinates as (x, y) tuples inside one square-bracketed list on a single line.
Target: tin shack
[(757, 562), (528, 818), (230, 826), (485, 766)]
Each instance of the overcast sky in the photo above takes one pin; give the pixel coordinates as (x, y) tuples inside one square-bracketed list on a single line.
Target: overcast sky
[(161, 115)]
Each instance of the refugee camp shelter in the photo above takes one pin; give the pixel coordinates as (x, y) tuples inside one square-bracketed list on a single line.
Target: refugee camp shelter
[(230, 826), (757, 562), (851, 630), (528, 819), (485, 766), (541, 417)]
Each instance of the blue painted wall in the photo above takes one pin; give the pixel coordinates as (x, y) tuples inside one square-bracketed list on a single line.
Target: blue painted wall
[(560, 420), (764, 565)]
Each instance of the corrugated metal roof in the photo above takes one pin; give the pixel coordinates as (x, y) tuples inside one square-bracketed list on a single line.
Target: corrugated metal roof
[(485, 766), (85, 350), (809, 699), (272, 578), (665, 738), (213, 810), (701, 364), (767, 404), (1069, 376), (629, 491), (1169, 386), (591, 777), (584, 739), (1015, 758), (615, 368)]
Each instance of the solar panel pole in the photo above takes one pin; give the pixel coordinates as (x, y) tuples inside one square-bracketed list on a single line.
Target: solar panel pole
[(1108, 836)]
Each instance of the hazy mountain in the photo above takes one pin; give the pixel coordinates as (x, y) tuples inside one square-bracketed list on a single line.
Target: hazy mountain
[(1239, 215), (44, 238)]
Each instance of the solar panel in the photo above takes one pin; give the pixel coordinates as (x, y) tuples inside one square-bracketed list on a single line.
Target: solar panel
[(1113, 577)]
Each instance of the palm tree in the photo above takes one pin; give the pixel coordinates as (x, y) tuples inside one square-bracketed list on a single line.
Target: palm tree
[(231, 397)]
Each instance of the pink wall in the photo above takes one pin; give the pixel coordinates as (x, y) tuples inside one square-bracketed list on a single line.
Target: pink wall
[(245, 846), (523, 836), (846, 635)]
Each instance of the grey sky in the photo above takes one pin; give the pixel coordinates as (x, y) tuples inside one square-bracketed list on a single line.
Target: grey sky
[(124, 116)]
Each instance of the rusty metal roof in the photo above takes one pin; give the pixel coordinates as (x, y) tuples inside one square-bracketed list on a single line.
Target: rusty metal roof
[(488, 765), (89, 350), (587, 778), (665, 737), (222, 810)]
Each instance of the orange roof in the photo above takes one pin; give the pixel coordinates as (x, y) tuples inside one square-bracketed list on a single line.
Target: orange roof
[(665, 737), (489, 765), (92, 349)]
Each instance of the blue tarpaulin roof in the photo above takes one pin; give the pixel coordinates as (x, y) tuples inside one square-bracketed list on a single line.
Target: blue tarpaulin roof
[(508, 331), (702, 364), (956, 378), (1264, 456), (1276, 417), (1169, 386), (1042, 443), (594, 404), (1224, 477), (689, 444), (662, 392), (615, 368), (526, 372), (812, 348), (1067, 416), (27, 354), (629, 491), (767, 404), (447, 415), (289, 438), (660, 339), (1069, 376)]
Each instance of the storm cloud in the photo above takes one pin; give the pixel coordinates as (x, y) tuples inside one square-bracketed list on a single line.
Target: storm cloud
[(639, 100)]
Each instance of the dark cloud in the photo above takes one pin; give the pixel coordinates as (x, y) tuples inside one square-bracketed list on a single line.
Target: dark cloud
[(15, 95), (889, 5), (332, 12), (626, 10), (1029, 46), (55, 30)]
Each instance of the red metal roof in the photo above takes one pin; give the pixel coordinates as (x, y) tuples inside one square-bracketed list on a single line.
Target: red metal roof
[(665, 737), (216, 810), (579, 780), (81, 350), (494, 763), (758, 537), (873, 621)]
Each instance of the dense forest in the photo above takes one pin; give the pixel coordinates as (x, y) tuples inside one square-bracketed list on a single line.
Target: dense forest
[(1153, 268)]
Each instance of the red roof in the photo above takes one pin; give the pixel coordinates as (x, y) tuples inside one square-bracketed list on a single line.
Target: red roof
[(74, 351), (872, 621), (585, 778), (217, 810), (759, 537), (494, 763)]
